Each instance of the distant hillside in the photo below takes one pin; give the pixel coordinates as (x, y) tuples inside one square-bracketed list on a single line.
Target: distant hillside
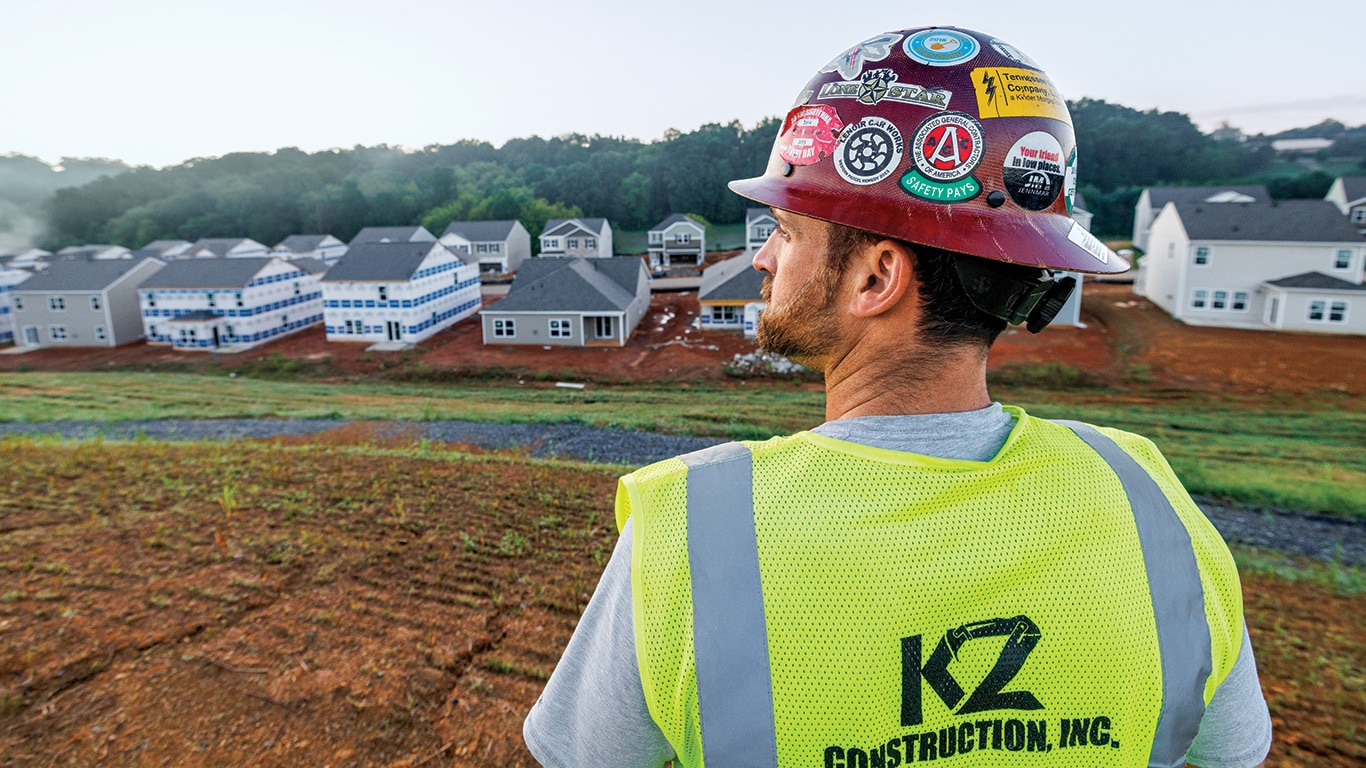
[(27, 182)]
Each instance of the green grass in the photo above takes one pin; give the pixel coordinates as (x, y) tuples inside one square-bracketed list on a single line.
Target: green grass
[(1303, 453), (720, 237)]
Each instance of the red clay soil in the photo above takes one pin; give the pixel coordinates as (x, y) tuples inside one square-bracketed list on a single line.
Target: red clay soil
[(1122, 339)]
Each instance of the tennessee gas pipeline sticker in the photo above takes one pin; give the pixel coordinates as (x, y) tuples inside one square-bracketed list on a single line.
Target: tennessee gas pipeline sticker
[(1015, 92), (1033, 171), (809, 134)]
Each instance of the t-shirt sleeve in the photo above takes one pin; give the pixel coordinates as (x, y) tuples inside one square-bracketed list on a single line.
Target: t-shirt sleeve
[(1235, 731), (593, 710)]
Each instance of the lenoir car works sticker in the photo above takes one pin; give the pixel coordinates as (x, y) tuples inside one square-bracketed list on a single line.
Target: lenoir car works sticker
[(946, 149), (809, 134), (941, 47), (877, 85), (869, 151), (850, 63), (1014, 92), (1033, 171)]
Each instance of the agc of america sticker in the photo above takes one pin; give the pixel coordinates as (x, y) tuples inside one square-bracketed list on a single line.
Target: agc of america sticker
[(946, 150), (869, 151)]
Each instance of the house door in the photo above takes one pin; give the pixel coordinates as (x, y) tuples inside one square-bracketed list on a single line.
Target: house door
[(394, 330), (215, 336), (1272, 310), (604, 327), (31, 335)]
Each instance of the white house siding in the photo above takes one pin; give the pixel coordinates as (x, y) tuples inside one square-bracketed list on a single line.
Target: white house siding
[(559, 329), (1316, 311), (1143, 221), (248, 250), (8, 279), (279, 300), (1232, 275), (443, 292), (722, 315)]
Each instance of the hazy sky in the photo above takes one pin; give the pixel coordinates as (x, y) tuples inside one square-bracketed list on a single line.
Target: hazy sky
[(158, 82)]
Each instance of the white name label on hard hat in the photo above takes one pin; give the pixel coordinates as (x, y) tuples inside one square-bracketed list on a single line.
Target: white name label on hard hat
[(1089, 243)]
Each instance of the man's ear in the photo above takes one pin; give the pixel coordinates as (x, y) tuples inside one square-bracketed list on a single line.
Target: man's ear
[(881, 275)]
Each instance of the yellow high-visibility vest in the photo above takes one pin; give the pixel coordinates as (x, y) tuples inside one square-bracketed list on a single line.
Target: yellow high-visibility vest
[(806, 601)]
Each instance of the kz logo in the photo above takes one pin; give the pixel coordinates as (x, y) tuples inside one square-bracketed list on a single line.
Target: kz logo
[(1021, 636)]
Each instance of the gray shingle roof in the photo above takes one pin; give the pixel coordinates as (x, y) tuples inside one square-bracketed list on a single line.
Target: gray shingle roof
[(573, 285), (160, 247), (80, 275), (380, 262), (1160, 196), (1285, 221), (208, 273), (302, 243), (481, 231), (753, 213), (734, 279), (393, 235), (674, 219), (310, 265), (1316, 281), (219, 246), (557, 226), (1354, 187)]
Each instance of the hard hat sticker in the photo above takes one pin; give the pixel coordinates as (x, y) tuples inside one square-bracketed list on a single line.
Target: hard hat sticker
[(935, 192), (869, 151), (850, 63), (1033, 171), (1014, 54), (878, 85), (948, 147), (1069, 182), (1013, 92), (941, 47), (809, 134), (1089, 243)]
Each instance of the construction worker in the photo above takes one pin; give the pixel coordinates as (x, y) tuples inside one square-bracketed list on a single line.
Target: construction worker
[(928, 575)]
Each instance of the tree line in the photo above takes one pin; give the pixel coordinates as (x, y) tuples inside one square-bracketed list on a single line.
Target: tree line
[(634, 184)]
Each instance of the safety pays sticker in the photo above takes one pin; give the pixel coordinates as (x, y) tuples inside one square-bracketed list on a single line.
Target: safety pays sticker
[(809, 134), (1015, 92), (1033, 171), (946, 149)]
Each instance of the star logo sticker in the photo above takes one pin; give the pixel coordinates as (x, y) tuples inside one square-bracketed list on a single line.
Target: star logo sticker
[(850, 63)]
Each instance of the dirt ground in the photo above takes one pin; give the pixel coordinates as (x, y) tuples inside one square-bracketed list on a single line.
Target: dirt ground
[(323, 602), (1123, 340)]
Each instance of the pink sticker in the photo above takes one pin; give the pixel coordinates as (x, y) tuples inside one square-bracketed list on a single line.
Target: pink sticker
[(809, 134)]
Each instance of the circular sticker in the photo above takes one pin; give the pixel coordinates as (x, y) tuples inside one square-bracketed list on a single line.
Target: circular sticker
[(1069, 182), (869, 151), (1014, 54), (809, 134), (948, 147), (941, 47), (1033, 171)]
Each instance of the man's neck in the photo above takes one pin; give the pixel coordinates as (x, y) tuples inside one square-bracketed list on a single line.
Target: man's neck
[(870, 383)]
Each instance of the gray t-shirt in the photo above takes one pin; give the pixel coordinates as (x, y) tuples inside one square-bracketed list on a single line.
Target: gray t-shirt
[(593, 711)]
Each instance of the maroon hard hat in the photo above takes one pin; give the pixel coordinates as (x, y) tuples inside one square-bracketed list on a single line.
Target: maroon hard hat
[(937, 136)]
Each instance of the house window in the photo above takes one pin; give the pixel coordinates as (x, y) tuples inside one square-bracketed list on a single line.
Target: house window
[(504, 328), (550, 243), (1316, 309), (56, 332), (152, 331), (95, 305), (1201, 256), (100, 334), (238, 298), (1359, 215), (762, 233), (1343, 260), (1337, 312), (56, 304), (1199, 298), (1239, 301), (31, 335), (683, 238), (213, 300), (481, 248), (589, 242), (603, 327), (723, 314), (559, 329), (1220, 300), (384, 293), (573, 242), (228, 331), (19, 303), (493, 248), (296, 288)]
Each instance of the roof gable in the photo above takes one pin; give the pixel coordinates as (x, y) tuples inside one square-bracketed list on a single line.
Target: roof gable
[(1354, 187), (677, 218), (481, 231), (393, 235), (1251, 193), (734, 279)]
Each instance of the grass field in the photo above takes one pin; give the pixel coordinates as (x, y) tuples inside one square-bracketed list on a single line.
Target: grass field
[(1282, 452), (360, 604)]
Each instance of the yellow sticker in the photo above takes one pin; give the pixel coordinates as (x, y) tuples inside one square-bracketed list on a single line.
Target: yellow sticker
[(1013, 92)]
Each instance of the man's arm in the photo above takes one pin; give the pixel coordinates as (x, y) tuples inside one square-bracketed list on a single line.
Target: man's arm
[(593, 710), (1236, 729)]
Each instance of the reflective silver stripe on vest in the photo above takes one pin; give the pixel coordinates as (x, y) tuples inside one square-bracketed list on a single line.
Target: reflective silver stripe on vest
[(1178, 601), (730, 639)]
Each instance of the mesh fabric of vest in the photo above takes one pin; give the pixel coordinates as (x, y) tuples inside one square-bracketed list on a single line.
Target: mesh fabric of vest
[(861, 548)]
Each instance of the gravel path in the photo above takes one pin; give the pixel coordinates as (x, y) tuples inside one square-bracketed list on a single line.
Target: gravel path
[(1319, 536)]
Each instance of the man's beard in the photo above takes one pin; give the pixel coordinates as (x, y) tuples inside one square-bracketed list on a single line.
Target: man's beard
[(804, 328)]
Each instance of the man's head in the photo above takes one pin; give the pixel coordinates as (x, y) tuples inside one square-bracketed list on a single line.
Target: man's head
[(938, 141)]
